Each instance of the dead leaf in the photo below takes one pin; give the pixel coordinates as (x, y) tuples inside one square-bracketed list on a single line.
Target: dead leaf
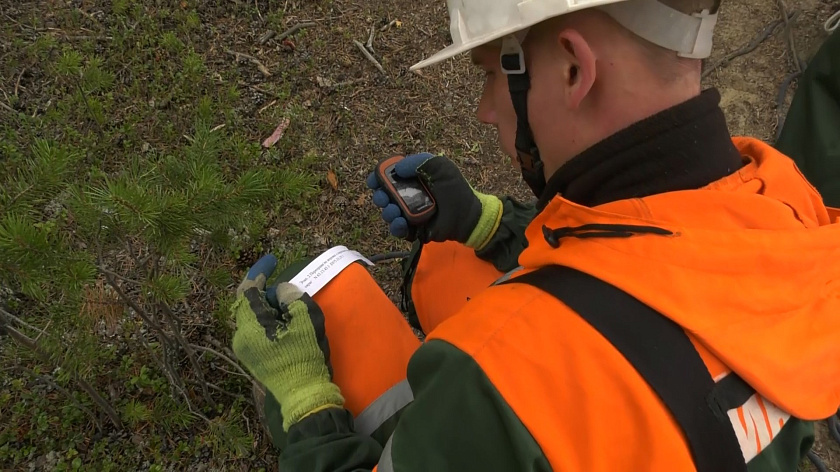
[(332, 179), (277, 134), (361, 200), (398, 23)]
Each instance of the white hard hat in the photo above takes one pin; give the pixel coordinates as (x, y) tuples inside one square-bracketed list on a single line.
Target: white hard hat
[(477, 22)]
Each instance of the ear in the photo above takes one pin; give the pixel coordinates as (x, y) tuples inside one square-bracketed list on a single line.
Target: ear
[(579, 74)]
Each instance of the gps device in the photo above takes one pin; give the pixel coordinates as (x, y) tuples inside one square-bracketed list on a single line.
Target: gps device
[(411, 195)]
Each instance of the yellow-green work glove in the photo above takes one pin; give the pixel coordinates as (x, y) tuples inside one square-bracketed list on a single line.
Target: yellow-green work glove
[(286, 349)]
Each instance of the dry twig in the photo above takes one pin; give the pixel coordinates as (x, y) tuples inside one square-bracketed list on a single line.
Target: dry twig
[(294, 29), (330, 85), (88, 38), (798, 65), (368, 55), (266, 36), (17, 82), (389, 25), (759, 38), (7, 107), (797, 62), (263, 91), (369, 43), (252, 60), (271, 104)]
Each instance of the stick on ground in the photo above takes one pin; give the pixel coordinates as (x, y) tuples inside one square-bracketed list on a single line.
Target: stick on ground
[(791, 43), (252, 59), (385, 28), (266, 36), (759, 38), (369, 56), (294, 29), (8, 108), (369, 43)]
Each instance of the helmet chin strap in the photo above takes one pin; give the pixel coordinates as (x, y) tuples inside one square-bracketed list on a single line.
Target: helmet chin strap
[(519, 82)]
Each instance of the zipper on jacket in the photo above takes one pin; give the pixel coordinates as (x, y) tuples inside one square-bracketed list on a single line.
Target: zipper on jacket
[(553, 236)]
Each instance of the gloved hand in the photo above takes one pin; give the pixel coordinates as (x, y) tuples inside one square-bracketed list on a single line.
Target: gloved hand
[(286, 350), (462, 215)]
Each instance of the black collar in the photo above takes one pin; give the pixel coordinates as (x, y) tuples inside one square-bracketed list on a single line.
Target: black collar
[(684, 147)]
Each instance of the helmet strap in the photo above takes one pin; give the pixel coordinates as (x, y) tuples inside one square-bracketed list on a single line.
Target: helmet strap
[(519, 83)]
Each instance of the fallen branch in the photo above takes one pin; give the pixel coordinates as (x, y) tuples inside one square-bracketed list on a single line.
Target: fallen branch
[(252, 60), (369, 43), (271, 104), (7, 107), (294, 29), (759, 38), (88, 38), (17, 82), (797, 62), (263, 91), (369, 57), (266, 36), (330, 85), (389, 25)]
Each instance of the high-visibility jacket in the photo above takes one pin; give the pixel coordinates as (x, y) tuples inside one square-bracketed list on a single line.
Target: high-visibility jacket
[(516, 380)]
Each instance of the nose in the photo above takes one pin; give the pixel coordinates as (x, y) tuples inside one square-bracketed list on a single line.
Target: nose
[(486, 112)]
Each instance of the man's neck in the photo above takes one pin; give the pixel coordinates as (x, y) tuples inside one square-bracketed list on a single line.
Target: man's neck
[(683, 147)]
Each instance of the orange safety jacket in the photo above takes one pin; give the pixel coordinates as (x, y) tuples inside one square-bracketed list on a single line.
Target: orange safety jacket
[(751, 272), (512, 378)]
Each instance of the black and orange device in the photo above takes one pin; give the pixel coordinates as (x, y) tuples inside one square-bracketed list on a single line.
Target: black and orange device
[(410, 194)]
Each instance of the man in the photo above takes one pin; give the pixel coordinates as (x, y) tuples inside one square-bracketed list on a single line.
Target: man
[(676, 303)]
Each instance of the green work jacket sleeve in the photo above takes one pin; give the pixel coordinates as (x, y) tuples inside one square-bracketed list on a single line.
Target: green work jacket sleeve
[(457, 422), (326, 442)]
